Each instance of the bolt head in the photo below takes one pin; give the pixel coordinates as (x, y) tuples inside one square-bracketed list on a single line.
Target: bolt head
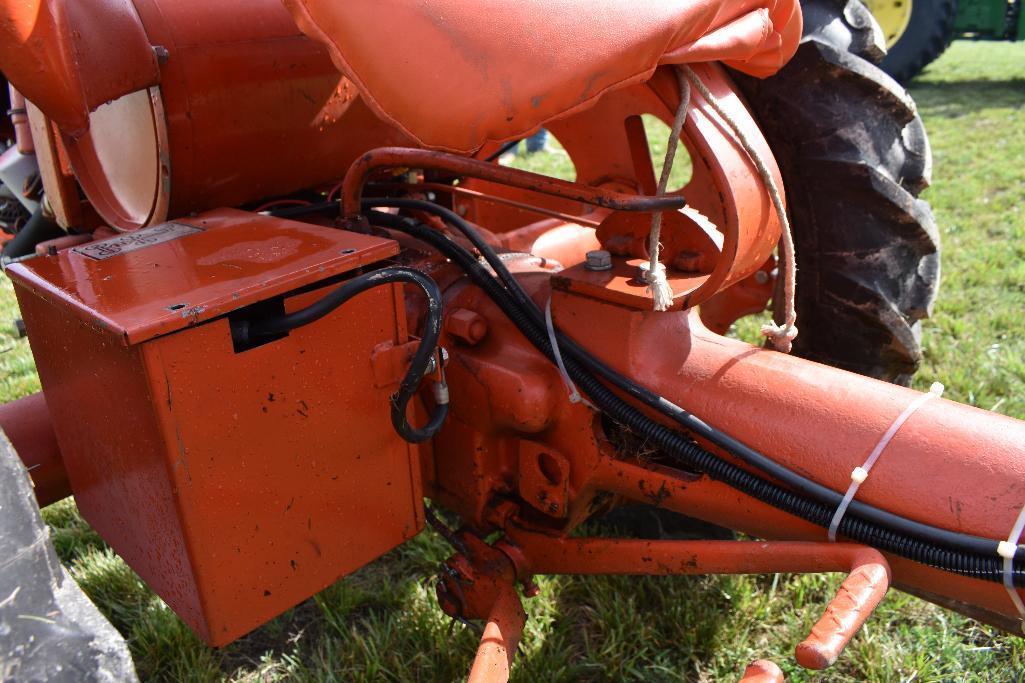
[(598, 259)]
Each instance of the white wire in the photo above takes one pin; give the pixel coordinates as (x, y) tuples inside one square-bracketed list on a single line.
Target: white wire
[(571, 388)]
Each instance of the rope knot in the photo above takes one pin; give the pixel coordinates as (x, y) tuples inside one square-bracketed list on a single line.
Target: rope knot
[(781, 336), (658, 285)]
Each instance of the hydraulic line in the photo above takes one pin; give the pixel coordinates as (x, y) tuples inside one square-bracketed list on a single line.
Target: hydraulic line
[(951, 551), (425, 350), (689, 421)]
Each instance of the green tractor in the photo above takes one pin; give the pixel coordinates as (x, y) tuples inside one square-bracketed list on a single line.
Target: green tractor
[(918, 31)]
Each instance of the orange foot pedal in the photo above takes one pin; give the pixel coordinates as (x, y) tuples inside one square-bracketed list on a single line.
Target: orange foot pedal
[(237, 481)]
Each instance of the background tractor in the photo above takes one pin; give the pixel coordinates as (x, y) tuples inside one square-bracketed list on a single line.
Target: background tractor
[(918, 31), (279, 293)]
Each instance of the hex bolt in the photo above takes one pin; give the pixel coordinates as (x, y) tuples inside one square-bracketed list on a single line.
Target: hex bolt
[(599, 259), (19, 328), (761, 277), (467, 326)]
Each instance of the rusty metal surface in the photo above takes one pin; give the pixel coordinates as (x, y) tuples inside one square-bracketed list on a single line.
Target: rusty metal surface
[(479, 582), (867, 581), (384, 158), (235, 484), (460, 190), (508, 402), (134, 286)]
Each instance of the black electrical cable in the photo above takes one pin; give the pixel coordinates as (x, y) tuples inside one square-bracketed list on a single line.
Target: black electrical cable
[(425, 350), (568, 346), (502, 150), (985, 565)]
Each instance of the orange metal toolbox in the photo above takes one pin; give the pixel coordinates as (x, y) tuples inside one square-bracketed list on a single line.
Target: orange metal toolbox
[(237, 483)]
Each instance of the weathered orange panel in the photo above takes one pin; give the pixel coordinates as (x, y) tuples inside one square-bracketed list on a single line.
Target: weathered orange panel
[(236, 484)]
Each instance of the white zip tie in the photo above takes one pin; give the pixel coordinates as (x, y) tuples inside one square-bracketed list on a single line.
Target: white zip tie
[(860, 474), (1007, 549), (571, 388)]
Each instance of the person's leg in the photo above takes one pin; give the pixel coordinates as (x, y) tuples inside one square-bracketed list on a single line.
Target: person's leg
[(537, 141)]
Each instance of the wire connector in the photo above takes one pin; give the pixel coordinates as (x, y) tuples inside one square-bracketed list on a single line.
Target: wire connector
[(440, 391)]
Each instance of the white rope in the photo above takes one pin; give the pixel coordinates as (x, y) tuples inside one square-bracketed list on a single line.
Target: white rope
[(860, 474), (1006, 550), (783, 335), (571, 388), (655, 275)]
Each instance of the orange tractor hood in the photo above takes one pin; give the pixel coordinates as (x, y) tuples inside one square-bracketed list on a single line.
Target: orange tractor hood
[(455, 74), (461, 74)]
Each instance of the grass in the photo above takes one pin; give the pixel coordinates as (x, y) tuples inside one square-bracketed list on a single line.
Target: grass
[(382, 622)]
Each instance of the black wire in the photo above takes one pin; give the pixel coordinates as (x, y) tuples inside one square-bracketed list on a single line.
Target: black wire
[(942, 548), (674, 412), (425, 350), (502, 150)]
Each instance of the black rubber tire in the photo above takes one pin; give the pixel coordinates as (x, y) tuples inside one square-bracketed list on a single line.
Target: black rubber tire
[(74, 642), (854, 157), (929, 32)]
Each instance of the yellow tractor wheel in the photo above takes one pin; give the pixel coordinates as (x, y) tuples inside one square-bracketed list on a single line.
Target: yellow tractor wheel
[(893, 17), (916, 32)]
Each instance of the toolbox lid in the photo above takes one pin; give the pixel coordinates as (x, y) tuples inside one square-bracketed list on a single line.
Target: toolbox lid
[(150, 282)]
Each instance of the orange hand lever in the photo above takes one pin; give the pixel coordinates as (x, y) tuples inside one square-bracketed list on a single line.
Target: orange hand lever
[(865, 586), (858, 596)]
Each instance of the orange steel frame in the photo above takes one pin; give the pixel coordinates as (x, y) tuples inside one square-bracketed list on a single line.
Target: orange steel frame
[(517, 456)]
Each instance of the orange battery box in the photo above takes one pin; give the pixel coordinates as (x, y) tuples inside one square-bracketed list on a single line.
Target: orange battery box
[(236, 481)]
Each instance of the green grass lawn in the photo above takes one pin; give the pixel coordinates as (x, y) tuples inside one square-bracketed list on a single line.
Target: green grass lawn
[(383, 624)]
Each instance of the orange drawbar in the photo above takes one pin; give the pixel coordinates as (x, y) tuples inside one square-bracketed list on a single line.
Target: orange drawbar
[(236, 482)]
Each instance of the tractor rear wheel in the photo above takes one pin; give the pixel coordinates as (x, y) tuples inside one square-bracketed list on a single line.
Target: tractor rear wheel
[(917, 32), (854, 158)]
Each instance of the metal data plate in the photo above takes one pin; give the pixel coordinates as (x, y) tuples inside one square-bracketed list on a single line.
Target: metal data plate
[(131, 241)]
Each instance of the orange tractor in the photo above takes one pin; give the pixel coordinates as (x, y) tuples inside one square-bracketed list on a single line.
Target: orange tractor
[(279, 293)]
